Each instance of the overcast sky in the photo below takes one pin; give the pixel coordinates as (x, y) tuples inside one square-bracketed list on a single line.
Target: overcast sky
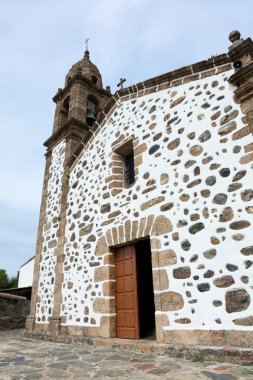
[(41, 39)]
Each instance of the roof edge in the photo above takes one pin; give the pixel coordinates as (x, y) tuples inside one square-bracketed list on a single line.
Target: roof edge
[(172, 78)]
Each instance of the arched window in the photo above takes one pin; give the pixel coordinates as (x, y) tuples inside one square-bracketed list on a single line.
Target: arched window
[(92, 107), (65, 111)]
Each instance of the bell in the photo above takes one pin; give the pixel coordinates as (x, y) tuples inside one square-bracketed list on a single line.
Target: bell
[(90, 117)]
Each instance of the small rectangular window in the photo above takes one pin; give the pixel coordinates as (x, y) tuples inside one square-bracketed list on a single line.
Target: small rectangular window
[(126, 158), (129, 169)]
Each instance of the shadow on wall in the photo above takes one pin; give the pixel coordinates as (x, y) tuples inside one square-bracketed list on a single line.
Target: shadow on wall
[(13, 311)]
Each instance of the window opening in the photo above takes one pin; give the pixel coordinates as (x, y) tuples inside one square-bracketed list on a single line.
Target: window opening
[(129, 169), (91, 110)]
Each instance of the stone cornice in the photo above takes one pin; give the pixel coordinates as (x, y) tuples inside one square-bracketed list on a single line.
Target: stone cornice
[(242, 48), (242, 75), (244, 92), (79, 78), (186, 71), (72, 128)]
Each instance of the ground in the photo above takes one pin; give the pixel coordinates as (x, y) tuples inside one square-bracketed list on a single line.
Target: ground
[(22, 358)]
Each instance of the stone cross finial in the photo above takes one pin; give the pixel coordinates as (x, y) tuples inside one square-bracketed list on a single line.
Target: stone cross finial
[(120, 84)]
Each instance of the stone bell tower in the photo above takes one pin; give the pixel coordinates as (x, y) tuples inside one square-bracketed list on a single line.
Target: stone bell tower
[(78, 105), (81, 99)]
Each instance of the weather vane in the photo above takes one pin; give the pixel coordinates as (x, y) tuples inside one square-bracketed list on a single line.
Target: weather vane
[(86, 42)]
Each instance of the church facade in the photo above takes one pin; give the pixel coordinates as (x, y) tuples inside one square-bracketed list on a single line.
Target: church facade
[(147, 208)]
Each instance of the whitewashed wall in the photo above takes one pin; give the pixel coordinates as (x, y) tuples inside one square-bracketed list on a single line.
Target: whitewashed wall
[(208, 199), (25, 278)]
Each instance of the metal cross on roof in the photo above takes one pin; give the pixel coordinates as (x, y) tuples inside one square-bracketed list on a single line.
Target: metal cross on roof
[(86, 42), (120, 84)]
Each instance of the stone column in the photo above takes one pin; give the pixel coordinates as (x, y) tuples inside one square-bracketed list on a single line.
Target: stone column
[(55, 319), (30, 321), (78, 101), (241, 54)]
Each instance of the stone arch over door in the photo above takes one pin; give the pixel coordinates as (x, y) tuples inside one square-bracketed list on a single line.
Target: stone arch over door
[(148, 227)]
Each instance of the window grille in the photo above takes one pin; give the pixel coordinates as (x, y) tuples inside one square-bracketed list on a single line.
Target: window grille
[(129, 169)]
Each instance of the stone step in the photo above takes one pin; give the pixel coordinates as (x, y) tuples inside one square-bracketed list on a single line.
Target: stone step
[(148, 346)]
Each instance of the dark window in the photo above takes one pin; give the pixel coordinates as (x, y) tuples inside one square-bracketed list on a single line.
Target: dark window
[(92, 105), (94, 79), (129, 169)]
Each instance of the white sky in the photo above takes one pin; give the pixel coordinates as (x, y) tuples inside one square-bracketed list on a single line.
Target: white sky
[(41, 39)]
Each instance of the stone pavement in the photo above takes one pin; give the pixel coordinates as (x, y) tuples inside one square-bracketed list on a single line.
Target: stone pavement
[(23, 358)]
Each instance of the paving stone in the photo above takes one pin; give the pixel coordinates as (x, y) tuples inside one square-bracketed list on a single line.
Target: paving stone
[(81, 361)]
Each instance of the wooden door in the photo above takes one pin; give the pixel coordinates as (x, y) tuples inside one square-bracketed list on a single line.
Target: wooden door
[(127, 321)]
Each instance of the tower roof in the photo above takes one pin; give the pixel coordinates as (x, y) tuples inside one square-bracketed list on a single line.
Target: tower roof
[(88, 70)]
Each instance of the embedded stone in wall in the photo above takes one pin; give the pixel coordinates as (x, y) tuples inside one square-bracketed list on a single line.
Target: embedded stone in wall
[(225, 172), (160, 279), (196, 150), (245, 279), (214, 240), (211, 180), (203, 287), (183, 321), (168, 301), (77, 215), (249, 209), (154, 149), (238, 237), (234, 187), (247, 195), (228, 128), (164, 179), (237, 300), (104, 273), (205, 136), (105, 208), (186, 245), (246, 159), (52, 243), (220, 199), (173, 144), (91, 238), (227, 118), (86, 230), (152, 109), (101, 248), (217, 303), (239, 225), (151, 203), (194, 258), (182, 272), (167, 206), (197, 227), (231, 267), (205, 193), (239, 175), (208, 274), (162, 225), (104, 305), (177, 101), (247, 250), (189, 163), (224, 281), (226, 215), (194, 183), (164, 258), (247, 321)]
